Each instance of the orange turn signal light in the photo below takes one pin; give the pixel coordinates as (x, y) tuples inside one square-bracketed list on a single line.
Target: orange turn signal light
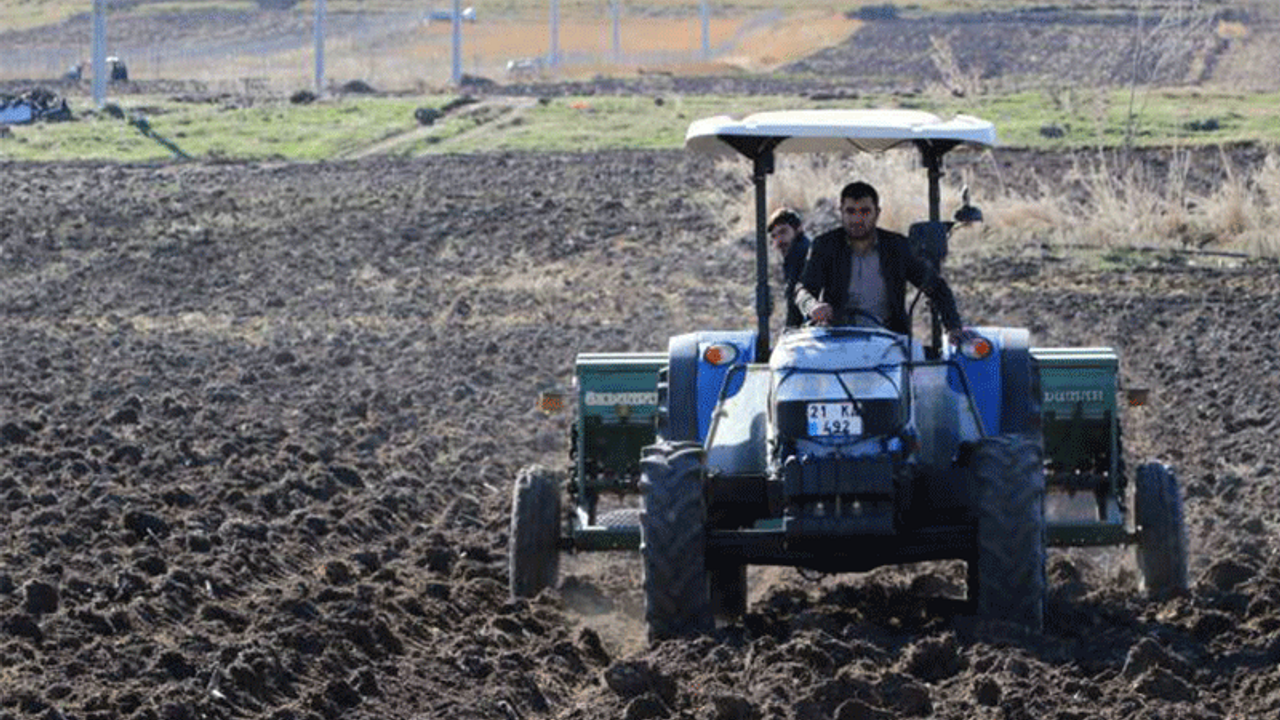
[(551, 402), (976, 348), (720, 353)]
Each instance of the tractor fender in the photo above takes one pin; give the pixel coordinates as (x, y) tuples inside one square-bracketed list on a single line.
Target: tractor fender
[(1004, 385), (693, 384), (1019, 386)]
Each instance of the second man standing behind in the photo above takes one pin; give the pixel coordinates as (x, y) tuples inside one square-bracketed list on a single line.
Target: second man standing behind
[(787, 233)]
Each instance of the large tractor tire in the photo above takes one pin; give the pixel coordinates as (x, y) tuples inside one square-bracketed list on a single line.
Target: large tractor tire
[(534, 555), (673, 531), (1007, 578), (1162, 537)]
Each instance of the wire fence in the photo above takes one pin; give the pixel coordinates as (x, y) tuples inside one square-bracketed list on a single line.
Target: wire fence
[(387, 48)]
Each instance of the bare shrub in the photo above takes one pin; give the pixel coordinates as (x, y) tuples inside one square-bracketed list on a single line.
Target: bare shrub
[(1264, 238), (1104, 200), (1121, 204), (811, 184), (1179, 35), (959, 81)]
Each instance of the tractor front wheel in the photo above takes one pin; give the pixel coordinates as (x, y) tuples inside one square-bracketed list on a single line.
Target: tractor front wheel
[(534, 555), (673, 531), (1162, 538), (1007, 578)]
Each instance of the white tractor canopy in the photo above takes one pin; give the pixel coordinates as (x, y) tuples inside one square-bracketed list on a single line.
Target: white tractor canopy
[(761, 136), (835, 131)]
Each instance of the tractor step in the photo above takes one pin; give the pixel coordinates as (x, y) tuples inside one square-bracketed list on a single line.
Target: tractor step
[(613, 530), (616, 519)]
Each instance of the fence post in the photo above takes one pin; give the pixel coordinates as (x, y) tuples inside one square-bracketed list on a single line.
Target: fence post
[(99, 53), (319, 39)]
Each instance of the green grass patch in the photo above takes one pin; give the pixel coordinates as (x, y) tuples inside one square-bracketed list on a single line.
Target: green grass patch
[(281, 130), (585, 123), (1064, 119), (1079, 118)]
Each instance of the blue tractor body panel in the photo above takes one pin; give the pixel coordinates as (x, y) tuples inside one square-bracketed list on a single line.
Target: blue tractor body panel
[(983, 378), (696, 384), (1004, 385)]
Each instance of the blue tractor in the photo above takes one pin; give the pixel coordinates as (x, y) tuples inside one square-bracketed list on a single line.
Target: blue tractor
[(847, 448)]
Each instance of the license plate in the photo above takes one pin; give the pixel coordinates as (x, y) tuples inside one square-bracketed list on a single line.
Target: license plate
[(834, 418)]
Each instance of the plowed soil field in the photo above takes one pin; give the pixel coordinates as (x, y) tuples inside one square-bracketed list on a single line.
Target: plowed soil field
[(259, 426), (261, 423)]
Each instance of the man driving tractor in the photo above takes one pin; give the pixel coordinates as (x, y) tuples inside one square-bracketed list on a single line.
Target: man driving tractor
[(856, 274)]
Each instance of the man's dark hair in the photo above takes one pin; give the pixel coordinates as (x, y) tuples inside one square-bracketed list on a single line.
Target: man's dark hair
[(858, 190), (784, 215)]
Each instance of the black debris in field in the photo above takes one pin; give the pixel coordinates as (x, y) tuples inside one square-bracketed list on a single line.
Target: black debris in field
[(32, 105)]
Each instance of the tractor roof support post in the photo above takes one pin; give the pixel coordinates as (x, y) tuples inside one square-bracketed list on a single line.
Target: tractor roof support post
[(931, 153), (933, 163), (931, 157), (760, 151), (762, 166)]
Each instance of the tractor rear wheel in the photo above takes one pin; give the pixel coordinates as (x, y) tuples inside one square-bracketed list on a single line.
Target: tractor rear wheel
[(1007, 578), (534, 555), (1162, 538), (673, 531)]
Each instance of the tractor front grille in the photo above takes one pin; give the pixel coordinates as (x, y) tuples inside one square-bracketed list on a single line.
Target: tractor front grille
[(811, 478), (834, 497)]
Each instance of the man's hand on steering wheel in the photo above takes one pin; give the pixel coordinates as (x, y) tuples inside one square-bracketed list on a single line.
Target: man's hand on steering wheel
[(820, 314)]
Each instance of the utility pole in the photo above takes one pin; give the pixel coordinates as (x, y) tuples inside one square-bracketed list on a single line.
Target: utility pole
[(99, 53), (457, 42), (319, 37), (704, 13), (616, 16), (554, 60)]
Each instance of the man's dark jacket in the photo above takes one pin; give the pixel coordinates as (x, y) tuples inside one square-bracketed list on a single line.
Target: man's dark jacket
[(826, 279), (792, 267)]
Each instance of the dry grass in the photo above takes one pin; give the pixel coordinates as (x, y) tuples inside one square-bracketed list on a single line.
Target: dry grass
[(811, 184), (1255, 53), (1119, 206), (1126, 206)]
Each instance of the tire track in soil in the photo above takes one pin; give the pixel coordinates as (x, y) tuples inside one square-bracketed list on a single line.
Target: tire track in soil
[(487, 113)]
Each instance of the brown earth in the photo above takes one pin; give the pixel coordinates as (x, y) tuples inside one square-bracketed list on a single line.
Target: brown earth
[(259, 425)]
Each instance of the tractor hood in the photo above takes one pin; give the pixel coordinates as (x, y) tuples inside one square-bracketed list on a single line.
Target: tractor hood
[(834, 131)]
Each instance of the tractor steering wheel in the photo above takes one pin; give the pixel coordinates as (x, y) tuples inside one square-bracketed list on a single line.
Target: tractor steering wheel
[(875, 321), (853, 313)]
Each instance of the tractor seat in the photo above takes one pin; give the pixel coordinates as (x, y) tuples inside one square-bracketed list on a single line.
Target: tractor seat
[(929, 241)]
